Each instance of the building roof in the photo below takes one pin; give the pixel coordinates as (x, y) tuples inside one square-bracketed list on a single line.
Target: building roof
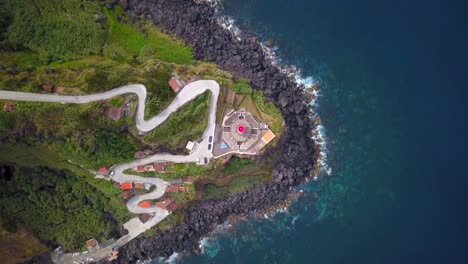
[(160, 166), (187, 179), (163, 204), (190, 145), (103, 170), (138, 185), (173, 188), (144, 217), (268, 136), (140, 168), (175, 84), (91, 243), (116, 185), (173, 206), (144, 204), (149, 167), (114, 113), (126, 185), (124, 194), (8, 107)]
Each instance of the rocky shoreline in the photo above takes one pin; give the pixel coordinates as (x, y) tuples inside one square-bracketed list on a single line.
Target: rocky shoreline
[(196, 22)]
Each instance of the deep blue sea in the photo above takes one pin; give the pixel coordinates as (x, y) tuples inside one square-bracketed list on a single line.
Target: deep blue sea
[(394, 105)]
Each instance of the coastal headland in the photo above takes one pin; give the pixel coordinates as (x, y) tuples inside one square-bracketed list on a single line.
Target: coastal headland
[(197, 23)]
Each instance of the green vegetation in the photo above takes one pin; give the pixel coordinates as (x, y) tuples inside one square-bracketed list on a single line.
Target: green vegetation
[(81, 47), (57, 206), (236, 164), (238, 184), (55, 29), (125, 42), (187, 123), (241, 86)]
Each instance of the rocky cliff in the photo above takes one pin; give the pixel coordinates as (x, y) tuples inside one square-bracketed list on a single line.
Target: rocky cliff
[(196, 22)]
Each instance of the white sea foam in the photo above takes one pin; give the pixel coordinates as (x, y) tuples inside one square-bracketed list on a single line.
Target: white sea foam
[(295, 74)]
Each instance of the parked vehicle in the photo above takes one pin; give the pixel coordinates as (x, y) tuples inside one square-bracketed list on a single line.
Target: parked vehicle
[(209, 146), (210, 139)]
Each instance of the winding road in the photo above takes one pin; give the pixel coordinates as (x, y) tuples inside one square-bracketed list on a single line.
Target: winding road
[(187, 94)]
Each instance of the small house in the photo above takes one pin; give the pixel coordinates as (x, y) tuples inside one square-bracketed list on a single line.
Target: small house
[(190, 145), (160, 166), (103, 170), (173, 188), (165, 203), (149, 167), (144, 204), (126, 185), (92, 244), (176, 84), (116, 185), (173, 206), (144, 217), (140, 169), (138, 185)]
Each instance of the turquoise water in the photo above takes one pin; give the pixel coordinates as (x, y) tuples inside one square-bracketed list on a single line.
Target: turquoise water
[(393, 86)]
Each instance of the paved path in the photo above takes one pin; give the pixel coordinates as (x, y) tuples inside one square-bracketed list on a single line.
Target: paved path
[(188, 93)]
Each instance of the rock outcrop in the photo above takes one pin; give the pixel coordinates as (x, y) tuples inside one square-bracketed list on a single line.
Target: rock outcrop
[(197, 24)]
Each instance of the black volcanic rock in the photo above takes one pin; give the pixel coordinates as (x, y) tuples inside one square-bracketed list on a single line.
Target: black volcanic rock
[(196, 23)]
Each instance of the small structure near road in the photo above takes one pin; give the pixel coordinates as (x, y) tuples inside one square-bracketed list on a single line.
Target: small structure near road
[(102, 170), (144, 204), (190, 145), (173, 206), (176, 84), (144, 217), (138, 185), (160, 166), (92, 244), (163, 204), (8, 107), (175, 188), (126, 185), (140, 155)]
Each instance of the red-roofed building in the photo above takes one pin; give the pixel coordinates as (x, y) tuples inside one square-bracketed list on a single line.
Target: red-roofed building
[(144, 204), (183, 189), (140, 169), (174, 188), (165, 203), (138, 185), (173, 206), (160, 166), (126, 185), (103, 170), (175, 84), (92, 244), (149, 167), (8, 107), (114, 113)]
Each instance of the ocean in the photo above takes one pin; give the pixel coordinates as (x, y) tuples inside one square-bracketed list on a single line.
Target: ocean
[(393, 86)]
